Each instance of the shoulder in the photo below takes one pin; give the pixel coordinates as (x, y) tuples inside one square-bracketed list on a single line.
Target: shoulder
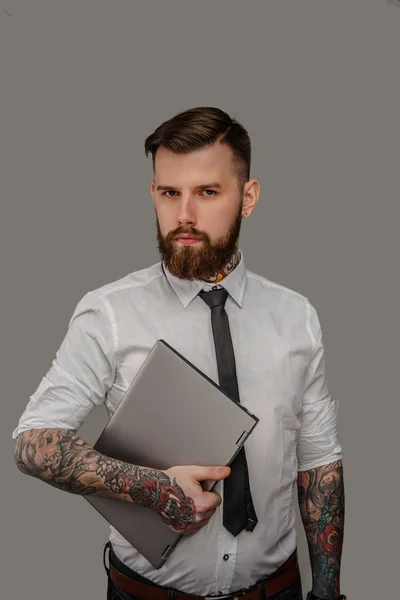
[(123, 287), (118, 293), (272, 289), (286, 306)]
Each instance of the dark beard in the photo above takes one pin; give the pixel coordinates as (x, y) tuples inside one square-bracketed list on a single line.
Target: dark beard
[(202, 263)]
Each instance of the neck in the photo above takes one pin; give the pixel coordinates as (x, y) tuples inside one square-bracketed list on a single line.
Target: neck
[(228, 268)]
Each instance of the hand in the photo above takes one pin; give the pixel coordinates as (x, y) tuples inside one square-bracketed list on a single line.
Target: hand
[(183, 505)]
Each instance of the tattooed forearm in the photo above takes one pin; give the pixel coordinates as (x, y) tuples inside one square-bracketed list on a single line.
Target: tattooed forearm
[(321, 500), (62, 459)]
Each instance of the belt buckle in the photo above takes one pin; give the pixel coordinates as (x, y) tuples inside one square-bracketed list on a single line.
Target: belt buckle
[(224, 597), (237, 597)]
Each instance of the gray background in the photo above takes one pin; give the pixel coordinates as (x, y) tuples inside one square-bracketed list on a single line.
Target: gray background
[(316, 84)]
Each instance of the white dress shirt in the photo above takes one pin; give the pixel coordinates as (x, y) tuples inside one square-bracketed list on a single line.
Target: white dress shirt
[(281, 373)]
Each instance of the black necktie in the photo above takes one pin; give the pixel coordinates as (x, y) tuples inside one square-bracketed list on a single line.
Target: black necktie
[(238, 509)]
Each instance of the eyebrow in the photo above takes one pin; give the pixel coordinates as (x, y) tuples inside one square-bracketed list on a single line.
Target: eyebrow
[(215, 184)]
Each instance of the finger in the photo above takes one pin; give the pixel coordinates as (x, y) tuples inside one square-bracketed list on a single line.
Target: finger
[(201, 523), (213, 498), (196, 526), (190, 530), (204, 513), (207, 515), (213, 473)]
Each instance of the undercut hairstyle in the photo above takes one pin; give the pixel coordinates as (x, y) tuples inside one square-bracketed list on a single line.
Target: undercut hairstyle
[(199, 128)]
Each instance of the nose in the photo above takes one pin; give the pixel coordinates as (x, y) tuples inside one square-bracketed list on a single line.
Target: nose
[(187, 213)]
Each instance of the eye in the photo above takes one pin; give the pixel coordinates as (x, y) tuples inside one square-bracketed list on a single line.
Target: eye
[(169, 192), (212, 193)]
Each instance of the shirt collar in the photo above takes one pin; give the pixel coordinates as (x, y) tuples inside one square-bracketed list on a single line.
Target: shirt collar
[(234, 283)]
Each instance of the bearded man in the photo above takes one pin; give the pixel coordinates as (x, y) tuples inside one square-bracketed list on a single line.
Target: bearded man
[(201, 192)]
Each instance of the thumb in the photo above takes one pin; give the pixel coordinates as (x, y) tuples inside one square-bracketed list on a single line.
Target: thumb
[(214, 473)]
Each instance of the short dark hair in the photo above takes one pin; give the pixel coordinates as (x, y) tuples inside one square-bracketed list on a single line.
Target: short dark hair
[(200, 127)]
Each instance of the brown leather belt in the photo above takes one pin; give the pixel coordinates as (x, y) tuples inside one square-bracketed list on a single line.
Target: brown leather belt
[(285, 576)]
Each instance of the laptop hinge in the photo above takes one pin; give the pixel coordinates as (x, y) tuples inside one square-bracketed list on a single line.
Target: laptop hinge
[(242, 439), (167, 552)]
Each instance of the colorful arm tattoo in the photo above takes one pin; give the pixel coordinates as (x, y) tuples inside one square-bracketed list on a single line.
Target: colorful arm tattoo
[(321, 501), (62, 459)]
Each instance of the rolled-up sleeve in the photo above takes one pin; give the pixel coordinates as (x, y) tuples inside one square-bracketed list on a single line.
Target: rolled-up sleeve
[(318, 442), (82, 372)]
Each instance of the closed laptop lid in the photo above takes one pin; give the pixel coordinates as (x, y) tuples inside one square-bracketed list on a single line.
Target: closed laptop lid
[(172, 414)]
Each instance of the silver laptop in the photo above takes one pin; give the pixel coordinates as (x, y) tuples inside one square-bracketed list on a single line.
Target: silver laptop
[(172, 414)]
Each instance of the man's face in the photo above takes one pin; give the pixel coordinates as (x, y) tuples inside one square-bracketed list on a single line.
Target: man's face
[(196, 194)]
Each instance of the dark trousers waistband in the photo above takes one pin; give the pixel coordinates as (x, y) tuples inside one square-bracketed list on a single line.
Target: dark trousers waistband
[(128, 572)]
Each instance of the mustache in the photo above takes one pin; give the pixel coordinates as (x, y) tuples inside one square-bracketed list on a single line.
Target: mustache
[(188, 231)]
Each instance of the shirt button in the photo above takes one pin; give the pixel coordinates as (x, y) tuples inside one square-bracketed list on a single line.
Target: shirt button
[(226, 556)]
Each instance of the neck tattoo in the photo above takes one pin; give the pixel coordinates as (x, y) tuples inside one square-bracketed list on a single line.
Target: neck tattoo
[(224, 271)]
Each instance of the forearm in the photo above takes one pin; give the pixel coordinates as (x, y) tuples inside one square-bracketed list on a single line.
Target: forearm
[(321, 501), (62, 459)]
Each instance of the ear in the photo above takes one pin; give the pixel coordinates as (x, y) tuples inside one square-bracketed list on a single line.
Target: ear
[(152, 188), (251, 194)]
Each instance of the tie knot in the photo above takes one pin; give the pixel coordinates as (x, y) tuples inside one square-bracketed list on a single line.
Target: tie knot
[(215, 297)]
